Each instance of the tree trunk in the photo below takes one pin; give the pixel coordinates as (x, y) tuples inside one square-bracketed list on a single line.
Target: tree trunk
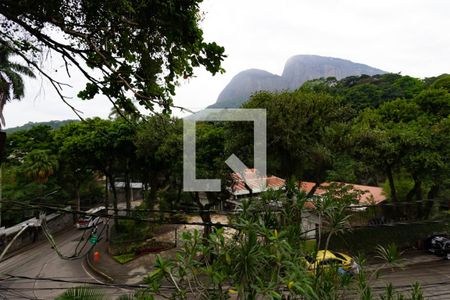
[(77, 195), (205, 216), (127, 188), (152, 199), (431, 196), (391, 184), (106, 201), (416, 192), (113, 187), (313, 190), (410, 194), (180, 189)]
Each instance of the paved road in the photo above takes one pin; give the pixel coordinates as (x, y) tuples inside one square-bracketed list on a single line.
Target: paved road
[(41, 261), (434, 276)]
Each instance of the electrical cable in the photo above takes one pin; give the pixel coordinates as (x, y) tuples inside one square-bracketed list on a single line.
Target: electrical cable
[(159, 222), (76, 255), (125, 217)]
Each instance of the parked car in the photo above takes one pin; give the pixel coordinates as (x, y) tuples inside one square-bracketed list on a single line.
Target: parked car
[(329, 258), (91, 218), (438, 245)]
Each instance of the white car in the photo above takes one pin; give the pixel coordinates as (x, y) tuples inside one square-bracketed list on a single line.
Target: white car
[(89, 220)]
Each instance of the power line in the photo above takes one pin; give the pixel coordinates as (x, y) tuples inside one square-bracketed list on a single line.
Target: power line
[(76, 255), (218, 224), (94, 283), (125, 217)]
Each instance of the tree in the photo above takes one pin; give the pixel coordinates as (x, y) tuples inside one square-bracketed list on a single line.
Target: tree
[(379, 142), (11, 81), (140, 48), (365, 91), (304, 133), (406, 135), (20, 143), (210, 154), (159, 155), (124, 134), (39, 165), (93, 144)]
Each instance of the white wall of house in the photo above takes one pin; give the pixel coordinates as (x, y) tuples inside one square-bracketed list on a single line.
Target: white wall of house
[(310, 222)]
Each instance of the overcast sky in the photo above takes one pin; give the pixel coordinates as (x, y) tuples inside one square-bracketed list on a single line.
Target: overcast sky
[(407, 36)]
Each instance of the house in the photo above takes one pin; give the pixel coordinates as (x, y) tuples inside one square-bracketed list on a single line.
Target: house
[(253, 183), (371, 195)]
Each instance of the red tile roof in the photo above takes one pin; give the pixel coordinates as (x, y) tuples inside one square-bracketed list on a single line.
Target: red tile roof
[(371, 195), (254, 182)]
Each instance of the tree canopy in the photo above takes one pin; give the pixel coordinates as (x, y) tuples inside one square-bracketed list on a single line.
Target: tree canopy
[(140, 48)]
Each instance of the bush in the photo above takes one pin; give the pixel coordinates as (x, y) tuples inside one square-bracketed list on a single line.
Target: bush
[(127, 251), (124, 258), (131, 237)]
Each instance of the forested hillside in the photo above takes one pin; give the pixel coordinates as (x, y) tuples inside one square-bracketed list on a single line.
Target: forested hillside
[(53, 124)]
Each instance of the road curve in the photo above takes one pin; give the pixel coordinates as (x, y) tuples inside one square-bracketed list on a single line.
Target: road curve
[(41, 261)]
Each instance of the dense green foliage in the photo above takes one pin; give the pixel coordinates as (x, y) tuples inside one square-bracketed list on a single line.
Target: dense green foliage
[(302, 130), (360, 129), (36, 173), (139, 49), (316, 133)]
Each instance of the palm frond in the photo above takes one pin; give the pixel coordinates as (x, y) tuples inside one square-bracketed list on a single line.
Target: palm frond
[(81, 292), (24, 70), (17, 85), (390, 255), (140, 295), (11, 82)]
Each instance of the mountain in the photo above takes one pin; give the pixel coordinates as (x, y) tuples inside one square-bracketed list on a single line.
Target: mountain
[(297, 70), (244, 84), (29, 125)]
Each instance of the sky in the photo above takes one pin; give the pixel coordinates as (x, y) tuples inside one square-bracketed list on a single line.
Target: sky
[(407, 36)]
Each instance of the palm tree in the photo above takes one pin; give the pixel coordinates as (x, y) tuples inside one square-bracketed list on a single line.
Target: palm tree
[(11, 81), (39, 165)]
